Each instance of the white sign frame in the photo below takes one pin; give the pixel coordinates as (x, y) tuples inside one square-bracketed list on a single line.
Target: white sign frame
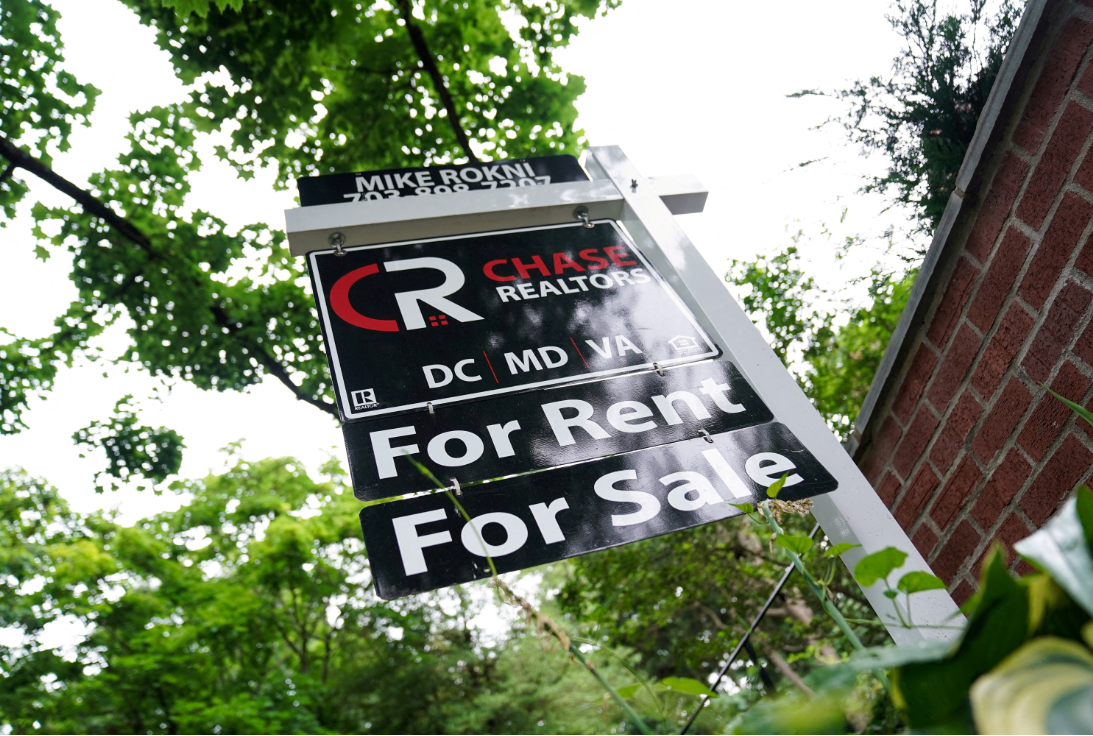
[(645, 208)]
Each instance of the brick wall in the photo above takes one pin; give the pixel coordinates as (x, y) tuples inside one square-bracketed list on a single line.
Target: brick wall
[(970, 448)]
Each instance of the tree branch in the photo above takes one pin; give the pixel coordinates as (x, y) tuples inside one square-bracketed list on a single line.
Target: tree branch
[(8, 172), (90, 204), (788, 673), (428, 63), (20, 159)]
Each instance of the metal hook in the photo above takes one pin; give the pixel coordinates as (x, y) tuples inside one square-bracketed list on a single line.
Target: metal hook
[(430, 405), (581, 213), (658, 369), (706, 436), (455, 484), (338, 241)]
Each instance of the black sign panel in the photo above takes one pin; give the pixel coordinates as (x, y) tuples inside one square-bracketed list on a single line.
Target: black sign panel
[(423, 543), (367, 186), (512, 434), (457, 318)]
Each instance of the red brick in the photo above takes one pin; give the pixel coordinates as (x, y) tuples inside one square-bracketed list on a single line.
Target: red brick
[(952, 304), (956, 552), (955, 431), (1006, 480), (913, 501), (1049, 417), (1011, 531), (1084, 175), (889, 488), (963, 592), (1056, 331), (1055, 163), (1023, 568), (924, 540), (1000, 277), (1001, 350), (1060, 241), (958, 361), (957, 491), (918, 375), (914, 441), (1053, 83), (1061, 475), (880, 449), (1084, 261), (1083, 348), (1085, 84), (996, 206), (1001, 421)]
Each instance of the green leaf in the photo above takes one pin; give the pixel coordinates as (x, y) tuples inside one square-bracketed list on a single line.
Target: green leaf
[(41, 253), (687, 686), (918, 581), (793, 543), (1084, 502), (934, 694), (839, 549), (878, 565), (1078, 408), (630, 691), (1046, 686), (1059, 548), (747, 508), (776, 487)]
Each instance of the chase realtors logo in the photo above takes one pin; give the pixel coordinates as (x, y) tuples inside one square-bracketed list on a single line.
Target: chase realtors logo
[(409, 302)]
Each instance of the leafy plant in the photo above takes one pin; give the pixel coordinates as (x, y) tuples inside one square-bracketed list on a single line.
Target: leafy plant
[(1023, 662)]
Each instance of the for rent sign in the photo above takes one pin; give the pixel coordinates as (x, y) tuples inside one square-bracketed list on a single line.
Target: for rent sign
[(437, 321)]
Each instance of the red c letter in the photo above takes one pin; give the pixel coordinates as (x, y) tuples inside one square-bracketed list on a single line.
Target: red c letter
[(490, 273), (339, 301)]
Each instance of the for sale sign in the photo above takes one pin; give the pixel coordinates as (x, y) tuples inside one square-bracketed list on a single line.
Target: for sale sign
[(437, 321), (423, 543)]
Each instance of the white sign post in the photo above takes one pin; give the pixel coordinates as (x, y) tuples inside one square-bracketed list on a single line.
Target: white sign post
[(645, 207)]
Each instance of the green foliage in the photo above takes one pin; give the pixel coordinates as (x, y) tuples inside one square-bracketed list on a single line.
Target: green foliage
[(250, 610), (781, 292), (319, 88), (1046, 686), (794, 543), (833, 364), (40, 101), (132, 450), (291, 85), (1021, 665), (922, 118), (1061, 548), (918, 581), (878, 566), (839, 549)]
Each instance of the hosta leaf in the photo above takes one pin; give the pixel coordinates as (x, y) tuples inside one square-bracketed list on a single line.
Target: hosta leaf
[(1046, 686)]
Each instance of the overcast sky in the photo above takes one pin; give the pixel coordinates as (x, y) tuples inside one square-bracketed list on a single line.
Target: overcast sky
[(688, 86)]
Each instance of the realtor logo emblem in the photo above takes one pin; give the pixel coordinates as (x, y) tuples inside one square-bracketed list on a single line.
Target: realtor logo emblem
[(364, 399)]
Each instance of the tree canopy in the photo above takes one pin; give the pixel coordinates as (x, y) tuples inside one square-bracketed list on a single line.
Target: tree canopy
[(920, 119)]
